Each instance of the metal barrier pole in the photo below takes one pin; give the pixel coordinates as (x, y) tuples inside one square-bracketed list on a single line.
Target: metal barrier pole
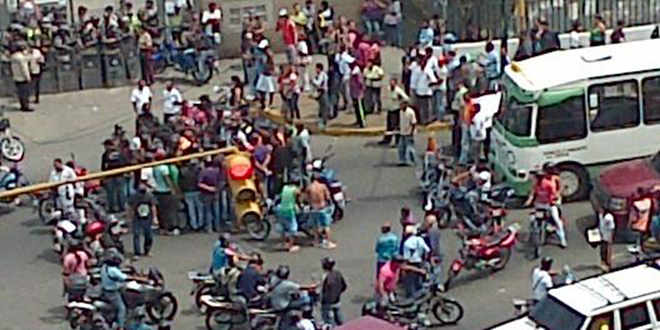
[(103, 174)]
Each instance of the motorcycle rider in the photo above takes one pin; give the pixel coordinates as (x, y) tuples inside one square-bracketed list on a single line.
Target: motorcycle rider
[(74, 263), (545, 196), (287, 295), (222, 252), (542, 279), (65, 192), (112, 279)]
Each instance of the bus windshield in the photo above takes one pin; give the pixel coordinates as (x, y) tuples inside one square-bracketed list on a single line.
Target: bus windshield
[(516, 118)]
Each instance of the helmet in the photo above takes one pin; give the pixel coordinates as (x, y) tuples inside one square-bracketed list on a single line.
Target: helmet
[(113, 257), (546, 263), (282, 272), (327, 263), (484, 176), (549, 168), (94, 228)]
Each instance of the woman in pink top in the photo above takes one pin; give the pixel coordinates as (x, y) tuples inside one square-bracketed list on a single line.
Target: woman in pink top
[(388, 277), (74, 262)]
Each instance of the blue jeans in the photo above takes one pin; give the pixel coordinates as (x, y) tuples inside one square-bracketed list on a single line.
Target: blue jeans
[(142, 228), (407, 149), (439, 103), (412, 283), (211, 211), (331, 314), (115, 299), (194, 209), (114, 189), (371, 25)]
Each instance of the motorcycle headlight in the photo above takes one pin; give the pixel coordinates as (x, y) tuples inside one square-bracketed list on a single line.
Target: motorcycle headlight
[(617, 204)]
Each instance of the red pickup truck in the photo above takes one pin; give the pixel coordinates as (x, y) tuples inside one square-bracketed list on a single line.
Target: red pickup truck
[(617, 183)]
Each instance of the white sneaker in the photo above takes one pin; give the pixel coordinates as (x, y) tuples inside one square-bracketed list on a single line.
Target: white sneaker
[(176, 232)]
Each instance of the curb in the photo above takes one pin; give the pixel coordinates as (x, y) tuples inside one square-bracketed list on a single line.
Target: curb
[(340, 131)]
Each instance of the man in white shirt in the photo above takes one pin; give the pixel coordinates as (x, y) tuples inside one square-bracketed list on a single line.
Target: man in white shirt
[(320, 83), (408, 123), (414, 251), (606, 227), (422, 87), (172, 101), (140, 96), (477, 131), (396, 94), (542, 279), (212, 20), (344, 61), (66, 192)]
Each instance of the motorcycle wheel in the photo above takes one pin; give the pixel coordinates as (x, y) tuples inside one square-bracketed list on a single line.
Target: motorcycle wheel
[(165, 309), (448, 311), (259, 229), (12, 148), (219, 319), (206, 289), (46, 207), (505, 255), (204, 74)]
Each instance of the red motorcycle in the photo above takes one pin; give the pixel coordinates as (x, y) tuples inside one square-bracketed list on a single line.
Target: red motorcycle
[(490, 252)]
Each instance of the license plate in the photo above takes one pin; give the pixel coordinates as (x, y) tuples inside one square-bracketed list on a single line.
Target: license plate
[(540, 214), (338, 196), (497, 213)]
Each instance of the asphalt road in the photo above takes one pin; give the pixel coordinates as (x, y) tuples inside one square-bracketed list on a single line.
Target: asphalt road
[(31, 282)]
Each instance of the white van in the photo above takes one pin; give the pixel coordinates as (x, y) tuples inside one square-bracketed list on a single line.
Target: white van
[(626, 299)]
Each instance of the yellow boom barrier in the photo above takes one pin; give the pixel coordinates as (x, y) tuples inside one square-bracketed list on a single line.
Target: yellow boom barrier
[(103, 174)]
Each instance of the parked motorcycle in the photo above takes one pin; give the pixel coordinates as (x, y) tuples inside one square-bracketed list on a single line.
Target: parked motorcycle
[(203, 285), (491, 252), (159, 303), (11, 146), (415, 312), (189, 61)]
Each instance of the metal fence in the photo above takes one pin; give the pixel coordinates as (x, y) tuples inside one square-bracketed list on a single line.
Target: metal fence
[(480, 19)]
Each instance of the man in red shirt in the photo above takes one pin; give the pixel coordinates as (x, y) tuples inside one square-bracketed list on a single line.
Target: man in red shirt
[(388, 277), (289, 35), (545, 197)]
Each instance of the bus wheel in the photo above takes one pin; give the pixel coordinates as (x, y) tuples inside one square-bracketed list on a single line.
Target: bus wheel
[(574, 182)]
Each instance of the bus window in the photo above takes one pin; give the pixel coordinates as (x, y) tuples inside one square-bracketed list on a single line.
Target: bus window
[(613, 105), (651, 97), (563, 121), (516, 118)]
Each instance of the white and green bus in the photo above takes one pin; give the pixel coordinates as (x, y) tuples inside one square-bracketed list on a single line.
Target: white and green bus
[(579, 109)]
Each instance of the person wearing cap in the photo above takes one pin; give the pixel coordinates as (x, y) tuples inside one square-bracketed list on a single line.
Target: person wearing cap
[(143, 212), (266, 85), (287, 28), (606, 227), (20, 70), (387, 245)]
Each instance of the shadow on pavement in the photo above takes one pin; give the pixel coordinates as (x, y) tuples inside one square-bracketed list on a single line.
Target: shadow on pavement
[(55, 315), (33, 222), (41, 231), (49, 255)]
